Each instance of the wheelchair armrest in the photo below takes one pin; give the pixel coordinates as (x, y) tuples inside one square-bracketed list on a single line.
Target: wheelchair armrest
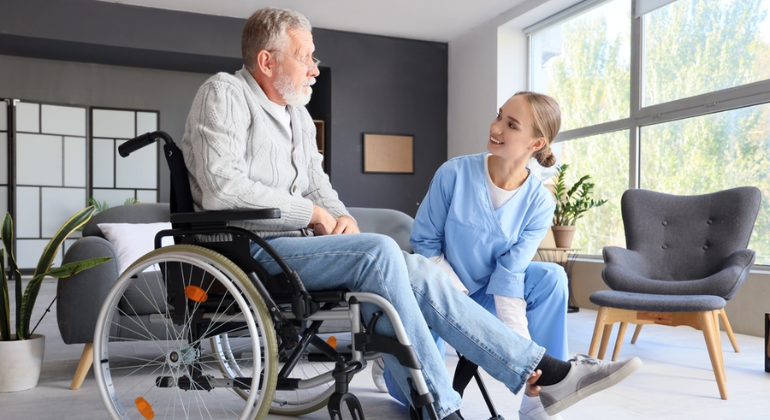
[(225, 216)]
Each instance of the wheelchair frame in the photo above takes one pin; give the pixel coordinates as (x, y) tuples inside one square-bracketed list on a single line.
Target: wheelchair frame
[(285, 312)]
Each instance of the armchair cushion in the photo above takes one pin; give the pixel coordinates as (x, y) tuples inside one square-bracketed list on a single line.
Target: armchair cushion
[(622, 274), (656, 303)]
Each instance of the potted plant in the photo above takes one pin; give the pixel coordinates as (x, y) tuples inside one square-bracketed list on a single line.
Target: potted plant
[(571, 204), (21, 352)]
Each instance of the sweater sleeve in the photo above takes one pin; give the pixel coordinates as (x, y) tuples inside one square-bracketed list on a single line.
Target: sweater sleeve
[(214, 145), (319, 190)]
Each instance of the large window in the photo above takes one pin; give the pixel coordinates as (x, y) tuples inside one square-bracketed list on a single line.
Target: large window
[(699, 46), (605, 157), (584, 63), (674, 99), (712, 152)]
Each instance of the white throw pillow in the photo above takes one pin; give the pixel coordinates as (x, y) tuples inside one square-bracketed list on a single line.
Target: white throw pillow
[(132, 240)]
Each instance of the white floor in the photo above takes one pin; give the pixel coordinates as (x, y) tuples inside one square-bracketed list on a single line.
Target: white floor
[(676, 381)]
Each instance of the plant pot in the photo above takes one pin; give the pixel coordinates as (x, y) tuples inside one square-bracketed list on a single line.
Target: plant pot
[(20, 363), (563, 235)]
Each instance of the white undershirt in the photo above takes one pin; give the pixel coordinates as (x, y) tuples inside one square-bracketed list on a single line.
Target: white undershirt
[(282, 114), (498, 195)]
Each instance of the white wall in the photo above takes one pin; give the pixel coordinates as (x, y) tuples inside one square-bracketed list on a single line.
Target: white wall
[(486, 66), (472, 93)]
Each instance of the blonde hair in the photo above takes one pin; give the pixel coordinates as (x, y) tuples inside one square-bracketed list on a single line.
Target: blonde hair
[(546, 121), (266, 30)]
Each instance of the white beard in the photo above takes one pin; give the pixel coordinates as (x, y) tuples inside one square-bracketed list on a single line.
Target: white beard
[(291, 96)]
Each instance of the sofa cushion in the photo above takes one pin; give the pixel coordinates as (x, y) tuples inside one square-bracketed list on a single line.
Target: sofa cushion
[(132, 240)]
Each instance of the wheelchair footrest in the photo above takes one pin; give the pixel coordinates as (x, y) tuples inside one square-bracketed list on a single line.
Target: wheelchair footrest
[(335, 406), (418, 402)]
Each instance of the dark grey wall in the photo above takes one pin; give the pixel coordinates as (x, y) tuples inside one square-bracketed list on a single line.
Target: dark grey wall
[(94, 53), (385, 86)]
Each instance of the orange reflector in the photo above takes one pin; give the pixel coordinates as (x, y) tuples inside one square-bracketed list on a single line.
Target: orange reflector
[(332, 341), (145, 409), (196, 294)]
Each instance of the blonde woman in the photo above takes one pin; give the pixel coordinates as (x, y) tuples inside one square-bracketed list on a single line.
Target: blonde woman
[(483, 219)]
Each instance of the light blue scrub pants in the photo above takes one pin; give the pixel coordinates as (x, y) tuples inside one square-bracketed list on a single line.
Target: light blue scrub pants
[(546, 294), (423, 296)]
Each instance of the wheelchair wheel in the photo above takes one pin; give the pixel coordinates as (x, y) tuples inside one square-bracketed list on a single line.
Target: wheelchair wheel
[(152, 354), (288, 403), (309, 399)]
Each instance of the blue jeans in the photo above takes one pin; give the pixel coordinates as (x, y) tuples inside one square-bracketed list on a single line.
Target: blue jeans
[(546, 294), (423, 297)]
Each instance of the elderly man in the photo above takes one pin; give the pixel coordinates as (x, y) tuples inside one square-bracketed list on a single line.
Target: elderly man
[(249, 143)]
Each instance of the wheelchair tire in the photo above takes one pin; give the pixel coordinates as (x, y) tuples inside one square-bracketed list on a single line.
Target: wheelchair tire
[(287, 403), (146, 366), (304, 401)]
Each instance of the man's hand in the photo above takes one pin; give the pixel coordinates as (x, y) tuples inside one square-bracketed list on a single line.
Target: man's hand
[(322, 221), (325, 224), (345, 224)]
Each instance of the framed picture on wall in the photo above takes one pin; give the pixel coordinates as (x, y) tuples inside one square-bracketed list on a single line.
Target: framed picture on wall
[(388, 153)]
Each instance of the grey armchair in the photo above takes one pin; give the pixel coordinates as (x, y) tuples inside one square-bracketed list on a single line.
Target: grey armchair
[(80, 301), (685, 256)]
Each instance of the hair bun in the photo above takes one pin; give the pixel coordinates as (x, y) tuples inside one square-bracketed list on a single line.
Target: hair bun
[(546, 158)]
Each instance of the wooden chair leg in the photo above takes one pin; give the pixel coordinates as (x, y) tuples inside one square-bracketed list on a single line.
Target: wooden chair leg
[(636, 333), (600, 318), (605, 340), (619, 341), (707, 325), (718, 335), (728, 330), (86, 360)]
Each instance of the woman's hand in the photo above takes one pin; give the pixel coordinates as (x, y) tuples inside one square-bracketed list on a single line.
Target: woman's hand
[(531, 389)]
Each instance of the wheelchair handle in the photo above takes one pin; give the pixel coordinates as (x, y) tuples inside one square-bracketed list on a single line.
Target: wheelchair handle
[(145, 139)]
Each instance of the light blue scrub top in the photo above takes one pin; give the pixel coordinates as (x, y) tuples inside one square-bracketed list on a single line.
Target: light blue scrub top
[(483, 246)]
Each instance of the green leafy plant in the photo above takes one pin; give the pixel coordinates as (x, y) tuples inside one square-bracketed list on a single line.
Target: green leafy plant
[(97, 205), (25, 302), (572, 202), (104, 206)]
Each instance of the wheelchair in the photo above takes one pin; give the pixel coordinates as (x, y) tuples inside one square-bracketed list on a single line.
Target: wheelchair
[(228, 339)]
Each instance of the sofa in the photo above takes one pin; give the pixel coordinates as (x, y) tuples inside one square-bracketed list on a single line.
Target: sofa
[(130, 231)]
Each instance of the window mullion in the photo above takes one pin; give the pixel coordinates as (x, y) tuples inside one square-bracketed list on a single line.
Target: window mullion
[(707, 103), (635, 92), (593, 130)]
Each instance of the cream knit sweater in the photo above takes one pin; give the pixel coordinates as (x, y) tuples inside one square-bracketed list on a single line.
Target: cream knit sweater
[(240, 157)]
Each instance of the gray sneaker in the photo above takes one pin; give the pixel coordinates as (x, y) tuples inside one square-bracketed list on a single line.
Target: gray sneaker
[(587, 376)]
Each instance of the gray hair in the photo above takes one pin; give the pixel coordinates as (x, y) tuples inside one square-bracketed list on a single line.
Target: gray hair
[(266, 30)]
